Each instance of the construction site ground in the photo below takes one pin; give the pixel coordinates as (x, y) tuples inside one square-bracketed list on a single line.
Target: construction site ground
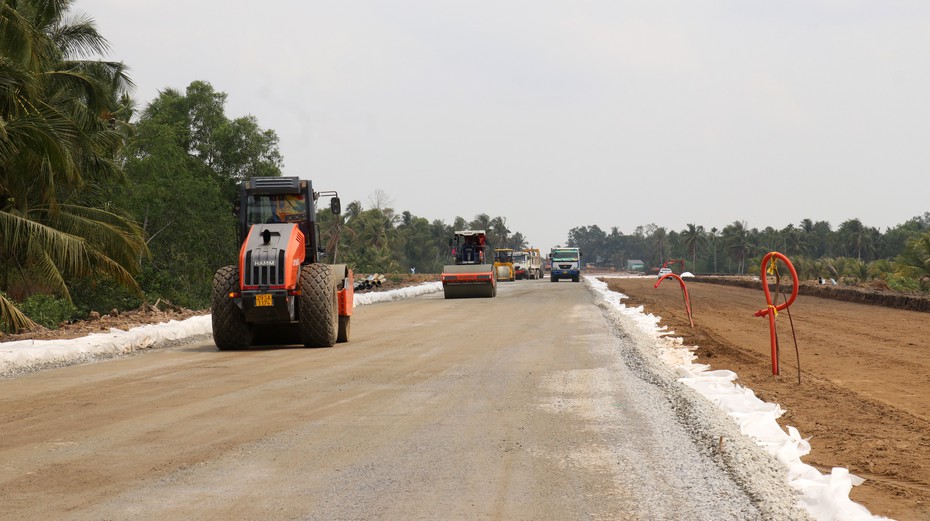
[(862, 399), (864, 396)]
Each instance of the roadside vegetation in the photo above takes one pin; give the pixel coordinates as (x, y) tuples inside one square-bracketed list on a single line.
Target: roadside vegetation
[(898, 258)]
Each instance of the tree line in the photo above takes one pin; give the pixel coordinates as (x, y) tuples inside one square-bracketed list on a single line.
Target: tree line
[(105, 207), (899, 256), (379, 239)]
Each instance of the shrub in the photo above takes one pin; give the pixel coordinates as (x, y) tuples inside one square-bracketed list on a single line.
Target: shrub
[(48, 310), (899, 283), (101, 295)]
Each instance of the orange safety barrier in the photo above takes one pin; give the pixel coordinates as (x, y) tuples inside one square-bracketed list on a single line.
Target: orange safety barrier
[(684, 293), (772, 310)]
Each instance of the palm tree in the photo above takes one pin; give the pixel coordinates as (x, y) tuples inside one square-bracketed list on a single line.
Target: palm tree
[(480, 222), (807, 240), (738, 243), (657, 237), (59, 138), (914, 263), (880, 269), (498, 233), (857, 270), (693, 238)]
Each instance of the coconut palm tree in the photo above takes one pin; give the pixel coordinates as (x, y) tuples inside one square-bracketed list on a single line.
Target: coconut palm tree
[(694, 239), (59, 138), (880, 269), (857, 237), (738, 243), (914, 263), (498, 233), (656, 240)]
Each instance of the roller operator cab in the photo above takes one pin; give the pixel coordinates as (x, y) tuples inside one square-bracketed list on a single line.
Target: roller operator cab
[(280, 292)]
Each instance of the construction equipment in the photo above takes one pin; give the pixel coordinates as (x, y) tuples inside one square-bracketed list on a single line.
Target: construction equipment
[(503, 264), (565, 264), (280, 292), (471, 275), (527, 264), (519, 265), (667, 269)]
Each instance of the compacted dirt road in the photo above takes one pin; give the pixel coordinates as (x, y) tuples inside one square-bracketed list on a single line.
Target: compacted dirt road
[(517, 407), (864, 395)]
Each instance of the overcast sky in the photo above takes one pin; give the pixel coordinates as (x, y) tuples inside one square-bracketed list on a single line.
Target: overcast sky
[(557, 113)]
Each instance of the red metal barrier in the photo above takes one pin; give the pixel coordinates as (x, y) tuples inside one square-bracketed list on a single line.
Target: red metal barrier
[(684, 293), (772, 310)]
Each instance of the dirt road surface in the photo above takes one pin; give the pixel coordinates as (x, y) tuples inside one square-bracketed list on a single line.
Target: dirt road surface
[(864, 396), (436, 409)]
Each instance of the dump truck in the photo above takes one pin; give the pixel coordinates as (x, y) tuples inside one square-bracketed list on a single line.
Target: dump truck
[(280, 292), (471, 275), (520, 259), (565, 263), (503, 264), (527, 264)]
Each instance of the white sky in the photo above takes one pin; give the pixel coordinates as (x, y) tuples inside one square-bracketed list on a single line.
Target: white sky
[(558, 114)]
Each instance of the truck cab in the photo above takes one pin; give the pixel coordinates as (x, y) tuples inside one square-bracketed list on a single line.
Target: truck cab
[(520, 259), (565, 264)]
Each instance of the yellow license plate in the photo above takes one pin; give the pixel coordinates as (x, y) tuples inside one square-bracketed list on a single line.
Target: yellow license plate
[(263, 299)]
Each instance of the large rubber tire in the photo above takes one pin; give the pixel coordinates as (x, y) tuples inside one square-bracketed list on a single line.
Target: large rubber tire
[(576, 278), (344, 328), (230, 330), (319, 308), (552, 278)]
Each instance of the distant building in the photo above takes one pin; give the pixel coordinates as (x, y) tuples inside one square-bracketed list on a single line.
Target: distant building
[(635, 265)]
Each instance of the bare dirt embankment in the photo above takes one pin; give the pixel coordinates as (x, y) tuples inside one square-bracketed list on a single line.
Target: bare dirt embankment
[(864, 396)]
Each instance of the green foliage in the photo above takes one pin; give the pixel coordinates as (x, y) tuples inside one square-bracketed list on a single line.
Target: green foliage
[(48, 310), (378, 240), (11, 318), (186, 140), (902, 283), (62, 125), (914, 261), (101, 295), (853, 251)]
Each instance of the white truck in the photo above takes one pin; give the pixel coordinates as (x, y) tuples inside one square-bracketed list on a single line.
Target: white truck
[(565, 264), (527, 264)]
